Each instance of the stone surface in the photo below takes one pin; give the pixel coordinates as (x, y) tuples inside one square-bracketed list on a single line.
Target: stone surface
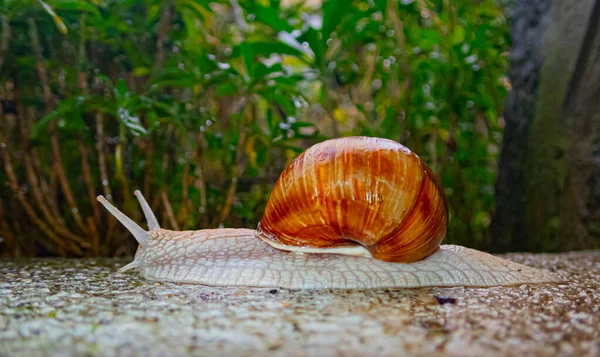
[(51, 307)]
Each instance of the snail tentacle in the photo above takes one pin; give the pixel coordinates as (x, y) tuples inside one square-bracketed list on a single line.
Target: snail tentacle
[(138, 232), (134, 264), (150, 217)]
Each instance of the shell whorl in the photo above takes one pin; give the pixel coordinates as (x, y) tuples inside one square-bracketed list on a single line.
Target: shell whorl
[(370, 192)]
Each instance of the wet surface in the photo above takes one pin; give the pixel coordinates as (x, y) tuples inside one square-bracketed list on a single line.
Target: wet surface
[(82, 307)]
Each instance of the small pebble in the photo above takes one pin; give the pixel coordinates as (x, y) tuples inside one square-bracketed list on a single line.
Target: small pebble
[(442, 300)]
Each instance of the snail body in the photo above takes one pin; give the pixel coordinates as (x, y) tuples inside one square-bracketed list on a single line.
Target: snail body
[(351, 213)]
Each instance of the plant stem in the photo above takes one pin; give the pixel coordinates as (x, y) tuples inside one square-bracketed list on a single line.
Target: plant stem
[(169, 210), (11, 249), (5, 38), (184, 213), (30, 171), (101, 155), (13, 184), (404, 66), (87, 177), (103, 170), (119, 157), (163, 28), (200, 183), (59, 167), (149, 148), (238, 166)]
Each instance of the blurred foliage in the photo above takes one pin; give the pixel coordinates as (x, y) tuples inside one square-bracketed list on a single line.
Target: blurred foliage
[(201, 104)]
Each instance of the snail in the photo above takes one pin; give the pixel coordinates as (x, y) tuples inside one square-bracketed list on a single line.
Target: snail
[(350, 213)]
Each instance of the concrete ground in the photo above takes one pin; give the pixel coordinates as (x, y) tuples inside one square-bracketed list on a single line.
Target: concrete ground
[(56, 307)]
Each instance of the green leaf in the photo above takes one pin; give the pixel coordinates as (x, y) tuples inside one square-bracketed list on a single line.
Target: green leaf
[(79, 5), (333, 13), (266, 49), (68, 113), (177, 82), (225, 89), (458, 36), (270, 17), (263, 70), (194, 8), (271, 123), (57, 20), (141, 71), (153, 121), (313, 38), (426, 39), (40, 126), (121, 90), (287, 103), (153, 12), (131, 122), (189, 19), (248, 56)]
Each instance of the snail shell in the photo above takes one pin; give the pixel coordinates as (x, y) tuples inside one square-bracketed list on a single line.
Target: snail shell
[(357, 191)]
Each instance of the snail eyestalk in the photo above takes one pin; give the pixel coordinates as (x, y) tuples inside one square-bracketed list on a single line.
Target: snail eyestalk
[(140, 235), (150, 217)]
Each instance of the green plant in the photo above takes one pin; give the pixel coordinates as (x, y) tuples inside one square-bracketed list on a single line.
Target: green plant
[(201, 104)]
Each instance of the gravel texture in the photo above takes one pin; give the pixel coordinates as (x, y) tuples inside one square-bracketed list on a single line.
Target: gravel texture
[(54, 307)]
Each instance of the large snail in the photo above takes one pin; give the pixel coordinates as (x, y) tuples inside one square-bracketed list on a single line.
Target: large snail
[(349, 213)]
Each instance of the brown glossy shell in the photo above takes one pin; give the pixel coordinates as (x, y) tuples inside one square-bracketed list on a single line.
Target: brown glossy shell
[(358, 190)]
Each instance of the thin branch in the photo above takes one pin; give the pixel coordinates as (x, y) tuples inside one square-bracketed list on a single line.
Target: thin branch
[(53, 191), (163, 28), (85, 167), (48, 194), (64, 182), (60, 171), (101, 155), (11, 249), (30, 172), (169, 210), (264, 181), (13, 183), (184, 213), (165, 22), (95, 236), (103, 170), (39, 61), (200, 183), (56, 224), (37, 194), (5, 38), (404, 66), (87, 176), (149, 149), (238, 167)]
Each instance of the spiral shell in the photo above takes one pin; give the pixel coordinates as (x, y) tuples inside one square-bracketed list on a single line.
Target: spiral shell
[(363, 191)]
